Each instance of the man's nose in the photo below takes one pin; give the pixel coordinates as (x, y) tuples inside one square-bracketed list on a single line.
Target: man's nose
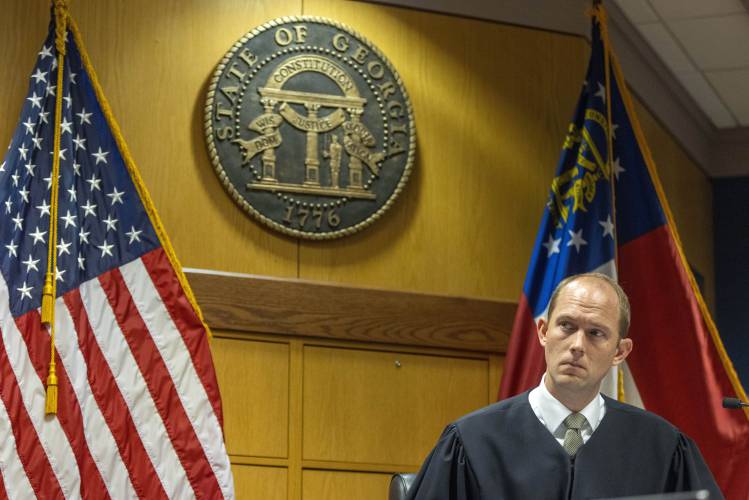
[(578, 341)]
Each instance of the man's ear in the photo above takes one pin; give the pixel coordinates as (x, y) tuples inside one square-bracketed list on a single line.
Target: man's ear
[(623, 350), (541, 328)]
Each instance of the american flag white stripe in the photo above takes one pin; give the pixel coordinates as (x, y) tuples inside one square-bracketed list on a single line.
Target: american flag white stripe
[(16, 482), (114, 407), (124, 368), (189, 324), (96, 431), (51, 436), (29, 449), (174, 352), (160, 384)]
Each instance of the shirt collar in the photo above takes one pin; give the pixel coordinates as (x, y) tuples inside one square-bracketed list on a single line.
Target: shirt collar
[(552, 413)]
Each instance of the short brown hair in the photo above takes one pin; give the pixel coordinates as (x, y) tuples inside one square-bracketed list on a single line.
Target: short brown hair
[(624, 312)]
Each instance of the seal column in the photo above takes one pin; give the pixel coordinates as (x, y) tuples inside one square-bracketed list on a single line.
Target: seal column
[(269, 155), (311, 162)]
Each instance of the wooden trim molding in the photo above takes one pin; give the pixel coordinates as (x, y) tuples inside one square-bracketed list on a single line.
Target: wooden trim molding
[(294, 307)]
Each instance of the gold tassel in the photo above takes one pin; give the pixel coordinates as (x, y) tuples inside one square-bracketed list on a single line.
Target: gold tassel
[(49, 289), (50, 408), (48, 300)]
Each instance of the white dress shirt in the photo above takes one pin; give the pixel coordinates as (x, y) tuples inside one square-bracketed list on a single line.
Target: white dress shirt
[(552, 413)]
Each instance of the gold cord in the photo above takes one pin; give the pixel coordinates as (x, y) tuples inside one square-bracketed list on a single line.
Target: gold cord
[(49, 291)]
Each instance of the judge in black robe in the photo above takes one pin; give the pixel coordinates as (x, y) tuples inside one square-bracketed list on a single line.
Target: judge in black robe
[(504, 452)]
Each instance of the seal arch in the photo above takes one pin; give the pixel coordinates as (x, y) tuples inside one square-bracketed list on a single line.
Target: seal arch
[(317, 64)]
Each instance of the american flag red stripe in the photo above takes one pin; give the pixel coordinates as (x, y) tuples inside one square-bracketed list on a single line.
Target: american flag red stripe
[(93, 426), (70, 415), (134, 388), (170, 341), (113, 289), (11, 466), (109, 295), (36, 465), (189, 325), (160, 385), (29, 325), (72, 424), (3, 493), (26, 406), (109, 400), (37, 342)]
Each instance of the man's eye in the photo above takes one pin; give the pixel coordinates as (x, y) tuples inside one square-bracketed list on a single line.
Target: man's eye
[(567, 326), (596, 333)]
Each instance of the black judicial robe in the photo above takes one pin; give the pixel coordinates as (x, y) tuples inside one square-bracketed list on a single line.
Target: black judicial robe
[(504, 452)]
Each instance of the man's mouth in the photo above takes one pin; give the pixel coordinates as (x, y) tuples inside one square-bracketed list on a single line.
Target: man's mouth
[(573, 365)]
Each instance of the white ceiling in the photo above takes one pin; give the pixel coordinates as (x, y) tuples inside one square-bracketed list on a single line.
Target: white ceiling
[(705, 44)]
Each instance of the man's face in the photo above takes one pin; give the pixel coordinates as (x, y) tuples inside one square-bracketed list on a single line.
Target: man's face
[(581, 338)]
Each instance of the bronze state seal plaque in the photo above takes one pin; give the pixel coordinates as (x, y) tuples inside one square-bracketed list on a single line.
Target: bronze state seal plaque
[(309, 127)]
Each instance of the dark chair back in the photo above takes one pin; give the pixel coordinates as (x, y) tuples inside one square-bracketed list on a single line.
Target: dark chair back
[(399, 485)]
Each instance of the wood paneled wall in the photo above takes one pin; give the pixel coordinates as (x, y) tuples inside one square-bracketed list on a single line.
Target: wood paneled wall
[(311, 418), (492, 103)]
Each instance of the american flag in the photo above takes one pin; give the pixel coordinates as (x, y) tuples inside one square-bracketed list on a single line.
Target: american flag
[(139, 412), (606, 212)]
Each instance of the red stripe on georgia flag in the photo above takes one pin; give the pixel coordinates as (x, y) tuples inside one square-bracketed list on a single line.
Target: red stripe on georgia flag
[(680, 377), (526, 369)]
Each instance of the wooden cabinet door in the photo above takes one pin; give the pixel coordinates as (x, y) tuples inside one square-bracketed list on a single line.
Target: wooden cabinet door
[(377, 407), (254, 382)]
